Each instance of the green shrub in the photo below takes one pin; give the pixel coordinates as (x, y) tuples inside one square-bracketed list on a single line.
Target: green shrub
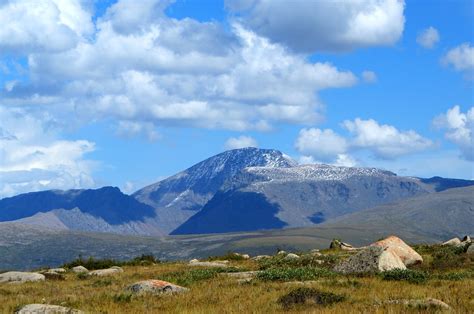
[(122, 297), (305, 295), (449, 257), (412, 276), (188, 277), (102, 283), (83, 276), (299, 274), (92, 263)]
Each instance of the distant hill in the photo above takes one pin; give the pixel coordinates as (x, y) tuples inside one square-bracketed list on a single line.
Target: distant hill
[(439, 215)]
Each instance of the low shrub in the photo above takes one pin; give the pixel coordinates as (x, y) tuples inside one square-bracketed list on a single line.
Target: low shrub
[(102, 283), (83, 276), (299, 274), (305, 295), (189, 277), (122, 297), (92, 263), (455, 276), (412, 276)]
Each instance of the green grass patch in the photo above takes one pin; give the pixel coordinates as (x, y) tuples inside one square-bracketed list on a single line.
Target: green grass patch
[(299, 274), (92, 263), (229, 256), (455, 275), (411, 276), (189, 277), (301, 296)]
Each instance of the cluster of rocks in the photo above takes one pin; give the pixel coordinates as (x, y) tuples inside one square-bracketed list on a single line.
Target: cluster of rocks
[(390, 253)]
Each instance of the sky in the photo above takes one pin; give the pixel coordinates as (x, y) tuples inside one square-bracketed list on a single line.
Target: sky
[(126, 93)]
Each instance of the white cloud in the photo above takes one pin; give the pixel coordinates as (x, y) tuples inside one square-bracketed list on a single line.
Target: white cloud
[(369, 76), (321, 144), (33, 158), (240, 142), (309, 26), (177, 72), (428, 38), (459, 129), (385, 141), (132, 128), (49, 25), (461, 58)]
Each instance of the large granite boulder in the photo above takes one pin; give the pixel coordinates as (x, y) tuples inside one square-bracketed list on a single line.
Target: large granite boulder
[(155, 287), (408, 255), (20, 277), (46, 309), (370, 260)]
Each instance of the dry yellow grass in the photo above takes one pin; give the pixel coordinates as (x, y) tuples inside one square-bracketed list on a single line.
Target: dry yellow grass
[(223, 294)]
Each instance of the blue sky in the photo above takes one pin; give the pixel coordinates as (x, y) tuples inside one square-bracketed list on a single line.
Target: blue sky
[(125, 93)]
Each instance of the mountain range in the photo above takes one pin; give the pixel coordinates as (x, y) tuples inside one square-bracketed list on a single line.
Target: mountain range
[(239, 190)]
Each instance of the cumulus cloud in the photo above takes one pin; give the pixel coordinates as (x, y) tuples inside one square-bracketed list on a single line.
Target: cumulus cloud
[(385, 141), (369, 76), (428, 38), (42, 26), (240, 142), (461, 58), (459, 128), (177, 72), (321, 144), (309, 26), (33, 158)]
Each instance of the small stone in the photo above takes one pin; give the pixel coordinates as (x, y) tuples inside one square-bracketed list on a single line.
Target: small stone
[(46, 309), (155, 287), (260, 257)]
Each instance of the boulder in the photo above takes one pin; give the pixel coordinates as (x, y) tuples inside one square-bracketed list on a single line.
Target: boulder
[(453, 241), (106, 272), (466, 239), (336, 244), (245, 256), (20, 277), (370, 260), (79, 269), (52, 275), (58, 270), (422, 303), (260, 257), (281, 252), (119, 269), (291, 257), (408, 255), (46, 309), (155, 287), (208, 264), (470, 249)]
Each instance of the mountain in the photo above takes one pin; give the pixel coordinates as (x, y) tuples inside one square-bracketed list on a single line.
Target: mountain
[(299, 196), (442, 215), (245, 189), (104, 209), (181, 196)]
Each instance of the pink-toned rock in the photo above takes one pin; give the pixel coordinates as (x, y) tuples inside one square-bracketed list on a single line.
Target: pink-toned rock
[(396, 245), (155, 287)]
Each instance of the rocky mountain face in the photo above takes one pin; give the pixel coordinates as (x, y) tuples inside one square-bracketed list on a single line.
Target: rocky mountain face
[(239, 190), (179, 197), (266, 198)]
